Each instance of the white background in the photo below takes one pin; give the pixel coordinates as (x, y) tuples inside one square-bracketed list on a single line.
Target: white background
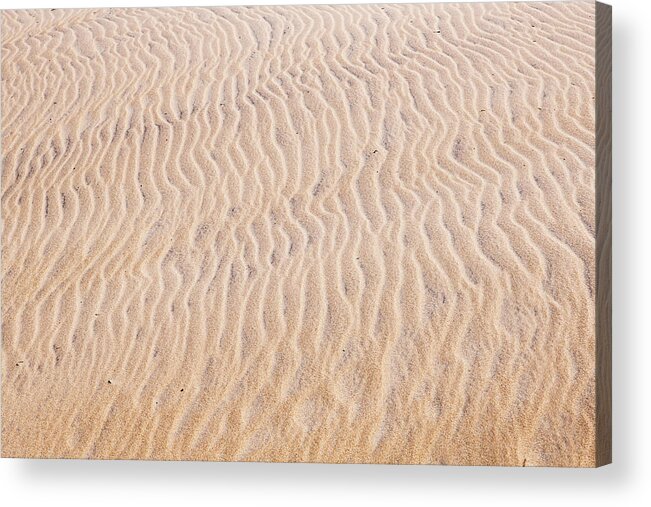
[(626, 482)]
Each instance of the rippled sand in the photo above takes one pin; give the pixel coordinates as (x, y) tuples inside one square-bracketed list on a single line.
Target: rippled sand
[(337, 234)]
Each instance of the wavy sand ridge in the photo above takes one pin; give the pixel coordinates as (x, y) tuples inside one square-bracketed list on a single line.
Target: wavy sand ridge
[(351, 233)]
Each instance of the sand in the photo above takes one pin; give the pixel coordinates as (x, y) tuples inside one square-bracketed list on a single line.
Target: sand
[(321, 234)]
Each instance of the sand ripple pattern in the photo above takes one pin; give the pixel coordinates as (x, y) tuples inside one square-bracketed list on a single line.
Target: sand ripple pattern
[(328, 233)]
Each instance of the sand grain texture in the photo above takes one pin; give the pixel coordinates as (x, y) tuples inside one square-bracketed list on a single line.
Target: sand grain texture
[(372, 233)]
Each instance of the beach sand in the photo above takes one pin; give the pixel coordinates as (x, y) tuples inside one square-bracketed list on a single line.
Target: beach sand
[(316, 234)]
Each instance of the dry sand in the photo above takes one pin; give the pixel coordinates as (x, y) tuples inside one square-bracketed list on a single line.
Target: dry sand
[(334, 234)]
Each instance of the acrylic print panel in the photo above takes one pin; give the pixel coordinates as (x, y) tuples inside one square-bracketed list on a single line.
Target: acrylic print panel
[(343, 234)]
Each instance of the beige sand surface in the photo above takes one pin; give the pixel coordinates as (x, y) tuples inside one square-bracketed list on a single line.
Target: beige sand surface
[(340, 234)]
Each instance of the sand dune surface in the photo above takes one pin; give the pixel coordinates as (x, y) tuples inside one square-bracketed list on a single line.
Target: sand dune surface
[(356, 233)]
